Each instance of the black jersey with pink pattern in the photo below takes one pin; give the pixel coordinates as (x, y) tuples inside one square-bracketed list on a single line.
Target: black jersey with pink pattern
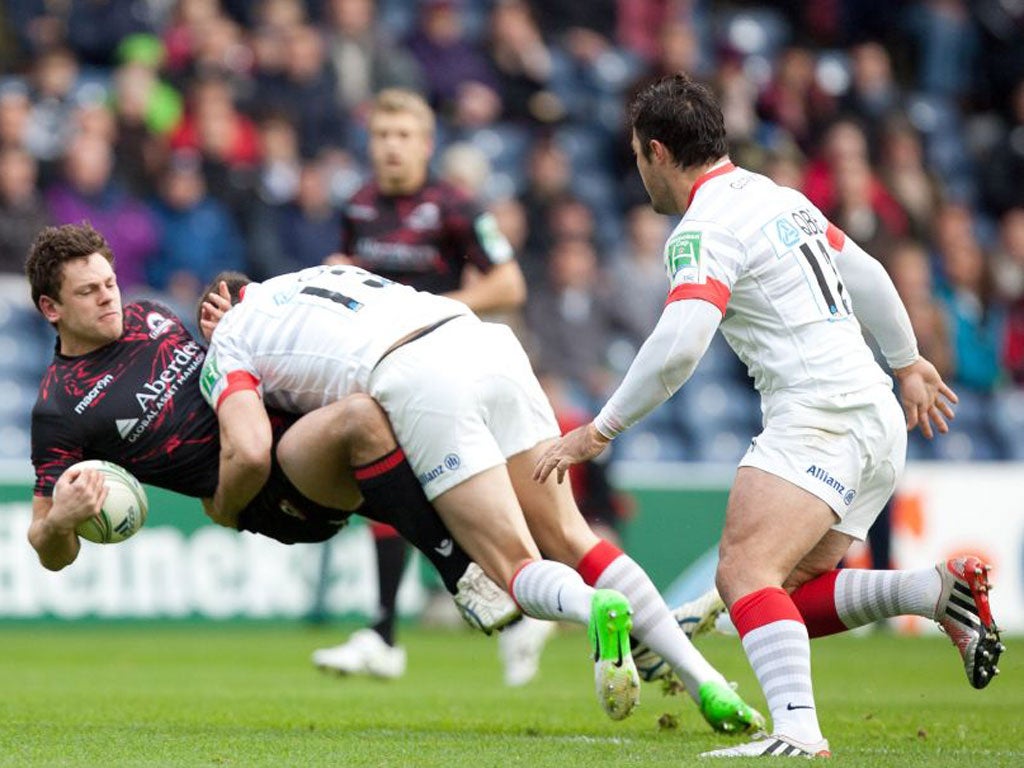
[(135, 402)]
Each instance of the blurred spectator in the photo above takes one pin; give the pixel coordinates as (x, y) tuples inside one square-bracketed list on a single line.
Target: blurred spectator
[(523, 64), (206, 43), (874, 95), (182, 36), (214, 126), (1008, 258), (1004, 169), (198, 237), (451, 63), (15, 113), (638, 271), (903, 171), (1008, 263), (572, 320), (974, 313), (365, 59), (863, 208), (298, 234), (911, 270), (89, 193), (844, 144), (226, 139), (140, 96), (793, 100), (279, 147), (54, 76), (147, 110), (22, 211), (548, 179), (306, 90), (947, 44)]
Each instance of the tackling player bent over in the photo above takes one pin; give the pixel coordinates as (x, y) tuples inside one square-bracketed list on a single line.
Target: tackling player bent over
[(473, 420)]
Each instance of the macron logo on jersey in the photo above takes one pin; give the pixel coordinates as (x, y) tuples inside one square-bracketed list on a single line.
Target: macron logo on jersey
[(93, 393)]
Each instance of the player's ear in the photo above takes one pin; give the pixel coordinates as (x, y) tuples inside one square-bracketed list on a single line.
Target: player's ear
[(659, 151), (50, 308)]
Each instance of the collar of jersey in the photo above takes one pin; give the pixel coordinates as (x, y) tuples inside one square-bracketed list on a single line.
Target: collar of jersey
[(716, 170)]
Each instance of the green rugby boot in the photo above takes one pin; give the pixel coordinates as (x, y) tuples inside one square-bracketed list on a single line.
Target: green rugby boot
[(726, 712), (618, 685)]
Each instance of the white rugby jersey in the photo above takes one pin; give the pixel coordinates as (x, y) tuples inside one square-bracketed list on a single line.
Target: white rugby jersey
[(309, 338), (765, 256)]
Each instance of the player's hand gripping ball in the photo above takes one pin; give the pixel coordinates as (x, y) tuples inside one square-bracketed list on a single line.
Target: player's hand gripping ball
[(125, 508)]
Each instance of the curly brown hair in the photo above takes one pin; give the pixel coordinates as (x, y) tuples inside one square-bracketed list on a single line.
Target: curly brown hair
[(53, 248)]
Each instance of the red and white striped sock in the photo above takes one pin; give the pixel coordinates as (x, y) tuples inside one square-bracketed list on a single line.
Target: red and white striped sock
[(778, 648), (545, 589), (844, 599), (605, 566)]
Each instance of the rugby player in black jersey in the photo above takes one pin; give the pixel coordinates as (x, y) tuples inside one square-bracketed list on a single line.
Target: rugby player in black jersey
[(412, 228), (124, 386)]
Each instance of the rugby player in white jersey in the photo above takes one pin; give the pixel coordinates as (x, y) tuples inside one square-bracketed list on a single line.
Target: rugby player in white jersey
[(473, 421), (790, 293)]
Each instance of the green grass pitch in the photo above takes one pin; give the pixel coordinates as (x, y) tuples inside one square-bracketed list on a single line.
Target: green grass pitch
[(245, 695)]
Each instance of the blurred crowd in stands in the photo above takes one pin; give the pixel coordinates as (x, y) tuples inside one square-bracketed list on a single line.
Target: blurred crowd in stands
[(200, 135)]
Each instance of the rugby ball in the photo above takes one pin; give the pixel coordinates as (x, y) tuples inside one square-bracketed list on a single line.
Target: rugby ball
[(125, 508)]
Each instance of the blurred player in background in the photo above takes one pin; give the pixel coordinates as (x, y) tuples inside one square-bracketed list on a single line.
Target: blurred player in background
[(124, 386), (467, 408), (790, 292), (409, 227)]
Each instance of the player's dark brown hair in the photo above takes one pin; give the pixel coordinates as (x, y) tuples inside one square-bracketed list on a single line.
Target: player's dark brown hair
[(235, 281), (684, 116), (53, 248)]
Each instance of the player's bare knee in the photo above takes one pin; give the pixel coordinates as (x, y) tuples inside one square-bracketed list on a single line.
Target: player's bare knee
[(366, 425)]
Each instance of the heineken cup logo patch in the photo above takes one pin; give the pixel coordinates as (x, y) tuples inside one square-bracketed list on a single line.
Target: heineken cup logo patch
[(683, 252)]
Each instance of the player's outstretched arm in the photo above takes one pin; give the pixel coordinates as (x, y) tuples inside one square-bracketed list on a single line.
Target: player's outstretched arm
[(245, 445), (77, 496), (926, 398)]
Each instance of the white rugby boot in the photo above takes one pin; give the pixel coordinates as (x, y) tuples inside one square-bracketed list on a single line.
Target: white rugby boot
[(364, 653), (520, 646), (773, 746), (483, 604)]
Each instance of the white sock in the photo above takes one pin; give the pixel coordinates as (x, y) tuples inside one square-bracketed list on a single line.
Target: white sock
[(863, 597), (654, 624), (780, 653), (545, 589)]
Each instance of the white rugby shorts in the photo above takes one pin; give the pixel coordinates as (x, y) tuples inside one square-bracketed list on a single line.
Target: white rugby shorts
[(849, 452), (462, 399)]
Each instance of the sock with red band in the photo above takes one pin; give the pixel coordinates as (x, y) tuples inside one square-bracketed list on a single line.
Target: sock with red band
[(606, 566), (777, 645), (393, 495), (545, 589), (844, 599)]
